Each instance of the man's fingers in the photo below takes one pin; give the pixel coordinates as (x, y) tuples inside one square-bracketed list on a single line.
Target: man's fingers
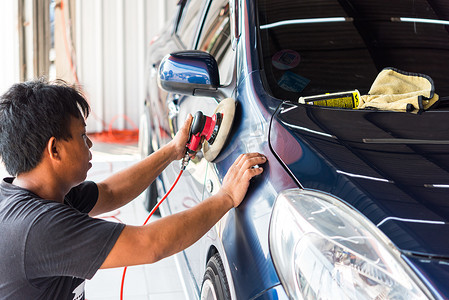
[(247, 165), (188, 122), (236, 181), (252, 159), (248, 157), (252, 172), (237, 161)]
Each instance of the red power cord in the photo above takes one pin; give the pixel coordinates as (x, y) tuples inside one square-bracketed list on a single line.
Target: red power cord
[(146, 221)]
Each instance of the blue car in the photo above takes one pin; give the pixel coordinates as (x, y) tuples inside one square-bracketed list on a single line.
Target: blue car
[(353, 202)]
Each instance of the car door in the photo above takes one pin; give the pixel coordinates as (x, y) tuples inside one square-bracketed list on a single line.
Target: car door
[(181, 37), (215, 39), (160, 111)]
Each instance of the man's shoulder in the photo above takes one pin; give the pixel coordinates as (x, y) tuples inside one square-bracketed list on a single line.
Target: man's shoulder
[(12, 192), (18, 205)]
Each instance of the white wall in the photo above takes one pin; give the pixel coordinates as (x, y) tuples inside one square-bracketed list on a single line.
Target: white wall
[(111, 40), (9, 49)]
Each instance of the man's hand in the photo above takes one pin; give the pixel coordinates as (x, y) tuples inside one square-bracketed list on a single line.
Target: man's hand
[(181, 138), (236, 181)]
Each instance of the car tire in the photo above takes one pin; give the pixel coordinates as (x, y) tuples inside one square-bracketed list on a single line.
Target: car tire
[(145, 137), (215, 285)]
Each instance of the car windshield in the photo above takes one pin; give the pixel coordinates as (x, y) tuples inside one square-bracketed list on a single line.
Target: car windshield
[(311, 47)]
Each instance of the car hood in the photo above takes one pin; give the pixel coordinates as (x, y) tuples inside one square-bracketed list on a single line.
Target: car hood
[(393, 167)]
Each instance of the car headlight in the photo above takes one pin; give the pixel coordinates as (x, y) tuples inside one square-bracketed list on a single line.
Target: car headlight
[(324, 249)]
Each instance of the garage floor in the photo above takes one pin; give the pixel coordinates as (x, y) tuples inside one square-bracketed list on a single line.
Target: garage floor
[(156, 281)]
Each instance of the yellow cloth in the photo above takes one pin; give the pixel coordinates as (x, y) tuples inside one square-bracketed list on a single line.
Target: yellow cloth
[(398, 90)]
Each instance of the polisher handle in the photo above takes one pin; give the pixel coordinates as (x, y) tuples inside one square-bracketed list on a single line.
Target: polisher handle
[(195, 133), (199, 120)]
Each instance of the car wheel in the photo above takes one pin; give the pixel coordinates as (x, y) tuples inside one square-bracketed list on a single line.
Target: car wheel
[(215, 285), (150, 194)]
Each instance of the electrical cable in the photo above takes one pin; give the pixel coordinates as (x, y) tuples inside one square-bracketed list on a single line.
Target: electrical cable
[(146, 221)]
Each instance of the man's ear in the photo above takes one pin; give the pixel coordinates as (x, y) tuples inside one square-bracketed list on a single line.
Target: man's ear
[(53, 148)]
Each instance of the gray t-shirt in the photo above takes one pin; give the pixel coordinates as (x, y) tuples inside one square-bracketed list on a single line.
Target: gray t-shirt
[(47, 248)]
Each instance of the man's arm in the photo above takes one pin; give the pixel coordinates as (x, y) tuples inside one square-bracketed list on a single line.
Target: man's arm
[(169, 235), (124, 186)]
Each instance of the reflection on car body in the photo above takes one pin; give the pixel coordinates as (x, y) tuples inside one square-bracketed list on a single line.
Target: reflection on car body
[(353, 203)]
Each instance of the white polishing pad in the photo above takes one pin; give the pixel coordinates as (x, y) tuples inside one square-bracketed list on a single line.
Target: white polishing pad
[(227, 108)]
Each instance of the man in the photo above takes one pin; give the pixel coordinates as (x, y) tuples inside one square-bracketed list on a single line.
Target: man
[(49, 241)]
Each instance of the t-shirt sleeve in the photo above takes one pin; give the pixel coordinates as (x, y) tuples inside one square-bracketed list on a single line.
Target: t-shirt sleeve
[(83, 197), (65, 242)]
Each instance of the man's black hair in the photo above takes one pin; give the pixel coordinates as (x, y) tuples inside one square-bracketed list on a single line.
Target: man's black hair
[(30, 114)]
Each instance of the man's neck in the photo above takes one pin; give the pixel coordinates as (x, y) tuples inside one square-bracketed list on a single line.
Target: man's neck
[(41, 184)]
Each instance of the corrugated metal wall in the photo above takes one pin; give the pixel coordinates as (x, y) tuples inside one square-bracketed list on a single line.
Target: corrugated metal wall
[(103, 42), (111, 40)]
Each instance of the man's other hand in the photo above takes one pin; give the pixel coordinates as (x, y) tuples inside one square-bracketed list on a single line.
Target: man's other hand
[(236, 181)]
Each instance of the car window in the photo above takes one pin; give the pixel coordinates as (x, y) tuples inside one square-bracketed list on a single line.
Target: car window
[(215, 39), (314, 47), (190, 16)]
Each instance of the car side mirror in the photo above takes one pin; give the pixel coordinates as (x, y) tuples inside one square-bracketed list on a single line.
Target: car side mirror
[(190, 72)]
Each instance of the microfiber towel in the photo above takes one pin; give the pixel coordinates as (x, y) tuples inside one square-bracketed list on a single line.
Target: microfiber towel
[(398, 90)]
